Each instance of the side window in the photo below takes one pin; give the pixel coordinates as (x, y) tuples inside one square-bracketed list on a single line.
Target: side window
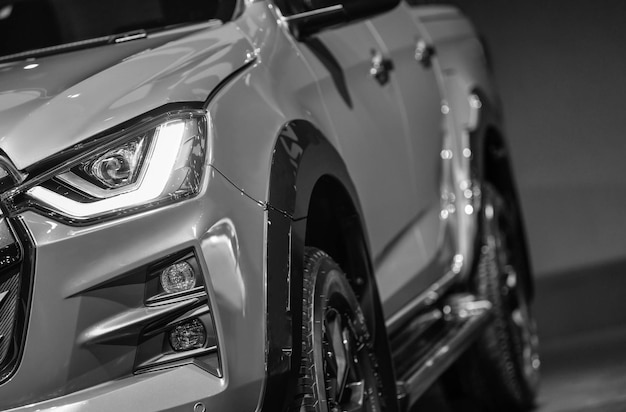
[(290, 7), (423, 2), (317, 4), (17, 16), (286, 7), (307, 17)]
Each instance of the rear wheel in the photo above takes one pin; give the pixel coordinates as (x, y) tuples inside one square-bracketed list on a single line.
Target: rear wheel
[(338, 371), (501, 371)]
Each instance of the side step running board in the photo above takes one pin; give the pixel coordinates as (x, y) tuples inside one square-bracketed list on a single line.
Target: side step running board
[(462, 320)]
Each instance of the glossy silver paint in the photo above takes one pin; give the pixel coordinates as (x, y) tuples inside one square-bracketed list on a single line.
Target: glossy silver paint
[(55, 104), (71, 262)]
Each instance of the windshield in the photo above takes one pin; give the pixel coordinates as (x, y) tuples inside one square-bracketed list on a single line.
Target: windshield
[(27, 25)]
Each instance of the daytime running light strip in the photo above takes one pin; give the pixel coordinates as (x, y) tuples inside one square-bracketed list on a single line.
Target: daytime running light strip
[(168, 138)]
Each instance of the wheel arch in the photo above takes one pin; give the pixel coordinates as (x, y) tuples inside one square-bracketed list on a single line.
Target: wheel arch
[(312, 202), (493, 164)]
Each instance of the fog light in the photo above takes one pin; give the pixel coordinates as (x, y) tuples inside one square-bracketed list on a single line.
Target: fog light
[(187, 336), (178, 278)]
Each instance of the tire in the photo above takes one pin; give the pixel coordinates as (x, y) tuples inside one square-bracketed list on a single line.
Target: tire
[(338, 370), (501, 371)]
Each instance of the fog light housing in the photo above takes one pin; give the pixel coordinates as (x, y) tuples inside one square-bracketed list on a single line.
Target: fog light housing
[(178, 277), (188, 336)]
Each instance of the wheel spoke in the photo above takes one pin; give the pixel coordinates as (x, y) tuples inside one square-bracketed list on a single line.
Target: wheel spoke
[(337, 352), (344, 382)]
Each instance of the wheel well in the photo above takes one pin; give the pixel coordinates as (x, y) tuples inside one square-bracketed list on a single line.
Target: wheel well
[(334, 226), (497, 170), (497, 167)]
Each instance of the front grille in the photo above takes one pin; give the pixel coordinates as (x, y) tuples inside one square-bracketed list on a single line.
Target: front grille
[(15, 280), (9, 294)]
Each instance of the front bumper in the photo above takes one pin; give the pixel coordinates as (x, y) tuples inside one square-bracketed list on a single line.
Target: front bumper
[(184, 388), (81, 281)]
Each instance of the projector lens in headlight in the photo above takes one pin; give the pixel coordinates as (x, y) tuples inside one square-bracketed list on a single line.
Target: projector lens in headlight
[(118, 167)]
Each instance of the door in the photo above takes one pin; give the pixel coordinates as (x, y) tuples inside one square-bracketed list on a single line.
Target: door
[(366, 116), (424, 251)]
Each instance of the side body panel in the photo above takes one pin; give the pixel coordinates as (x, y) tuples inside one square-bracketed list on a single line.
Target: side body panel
[(286, 86), (473, 104), (368, 119), (424, 247), (261, 156)]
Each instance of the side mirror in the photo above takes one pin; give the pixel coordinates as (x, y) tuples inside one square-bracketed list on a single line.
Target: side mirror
[(312, 16)]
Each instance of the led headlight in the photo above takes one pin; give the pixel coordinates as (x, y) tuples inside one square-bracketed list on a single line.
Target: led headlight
[(160, 162)]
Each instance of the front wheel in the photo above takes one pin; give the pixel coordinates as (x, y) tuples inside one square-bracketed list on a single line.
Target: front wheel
[(338, 371)]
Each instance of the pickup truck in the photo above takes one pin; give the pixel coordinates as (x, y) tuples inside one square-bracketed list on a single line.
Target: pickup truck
[(246, 205)]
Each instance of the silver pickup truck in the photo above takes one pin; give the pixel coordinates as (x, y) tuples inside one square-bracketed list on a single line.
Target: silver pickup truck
[(246, 205)]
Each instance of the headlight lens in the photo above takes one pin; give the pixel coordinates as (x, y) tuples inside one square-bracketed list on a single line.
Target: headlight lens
[(158, 163), (118, 167)]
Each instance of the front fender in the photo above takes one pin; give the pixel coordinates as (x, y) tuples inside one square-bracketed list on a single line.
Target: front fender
[(301, 156)]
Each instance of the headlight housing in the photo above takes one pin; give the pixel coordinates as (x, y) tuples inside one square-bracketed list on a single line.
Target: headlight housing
[(157, 162)]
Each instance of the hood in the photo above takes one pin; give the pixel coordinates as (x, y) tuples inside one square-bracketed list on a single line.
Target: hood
[(50, 104)]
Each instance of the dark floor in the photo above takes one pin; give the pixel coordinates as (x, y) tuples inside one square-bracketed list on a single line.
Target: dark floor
[(587, 374), (578, 375), (582, 324)]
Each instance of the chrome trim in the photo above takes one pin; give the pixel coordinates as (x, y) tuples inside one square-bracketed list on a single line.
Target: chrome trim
[(450, 347), (422, 301), (123, 38), (294, 18), (460, 307)]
